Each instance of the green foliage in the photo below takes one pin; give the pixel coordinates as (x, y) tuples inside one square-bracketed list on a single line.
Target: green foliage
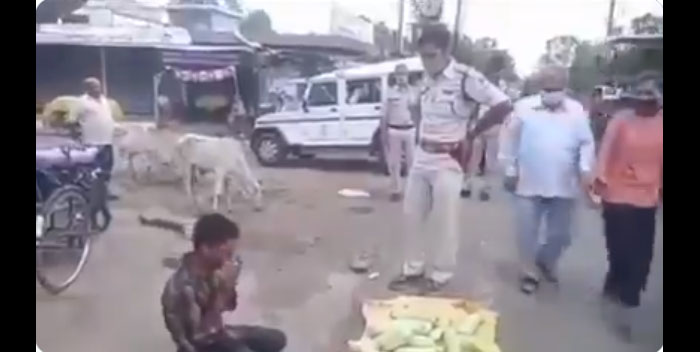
[(648, 24), (256, 24), (586, 71), (233, 5), (595, 63), (484, 56)]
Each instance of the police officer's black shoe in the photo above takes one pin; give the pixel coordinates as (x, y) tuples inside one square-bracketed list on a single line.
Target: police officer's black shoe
[(407, 284), (547, 272), (484, 196)]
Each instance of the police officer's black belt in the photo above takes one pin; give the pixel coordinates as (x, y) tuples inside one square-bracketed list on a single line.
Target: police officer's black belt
[(401, 127)]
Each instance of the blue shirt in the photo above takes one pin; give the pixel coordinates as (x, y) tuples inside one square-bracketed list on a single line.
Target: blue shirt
[(547, 149)]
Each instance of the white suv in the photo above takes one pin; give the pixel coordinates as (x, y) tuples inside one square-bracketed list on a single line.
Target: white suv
[(339, 116)]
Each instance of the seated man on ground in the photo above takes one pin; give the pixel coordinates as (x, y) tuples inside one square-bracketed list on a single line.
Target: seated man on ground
[(203, 287)]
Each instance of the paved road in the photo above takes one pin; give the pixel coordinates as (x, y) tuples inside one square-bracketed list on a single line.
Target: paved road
[(295, 274)]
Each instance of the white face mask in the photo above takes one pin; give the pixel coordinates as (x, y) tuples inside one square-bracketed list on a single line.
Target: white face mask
[(553, 99)]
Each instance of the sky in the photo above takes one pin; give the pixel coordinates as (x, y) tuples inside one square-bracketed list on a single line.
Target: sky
[(520, 26)]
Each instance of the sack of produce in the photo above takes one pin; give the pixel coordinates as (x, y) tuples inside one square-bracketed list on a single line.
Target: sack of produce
[(426, 324)]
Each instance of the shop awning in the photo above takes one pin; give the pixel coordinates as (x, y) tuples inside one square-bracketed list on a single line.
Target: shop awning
[(205, 56), (213, 75)]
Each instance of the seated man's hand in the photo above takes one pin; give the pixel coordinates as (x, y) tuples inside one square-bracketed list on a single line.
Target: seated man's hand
[(228, 276), (229, 273)]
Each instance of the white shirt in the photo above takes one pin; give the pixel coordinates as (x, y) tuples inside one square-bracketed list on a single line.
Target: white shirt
[(548, 150), (95, 118), (445, 113), (397, 106)]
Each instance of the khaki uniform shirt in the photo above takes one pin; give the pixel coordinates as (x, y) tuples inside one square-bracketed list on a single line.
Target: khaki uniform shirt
[(398, 104), (445, 113)]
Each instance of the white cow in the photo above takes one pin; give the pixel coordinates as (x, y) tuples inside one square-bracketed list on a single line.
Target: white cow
[(224, 156), (143, 139)]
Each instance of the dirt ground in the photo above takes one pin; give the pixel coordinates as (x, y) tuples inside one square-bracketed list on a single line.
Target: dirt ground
[(295, 276)]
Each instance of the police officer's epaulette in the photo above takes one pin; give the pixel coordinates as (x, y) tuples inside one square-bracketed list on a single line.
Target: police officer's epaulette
[(466, 72), (463, 69)]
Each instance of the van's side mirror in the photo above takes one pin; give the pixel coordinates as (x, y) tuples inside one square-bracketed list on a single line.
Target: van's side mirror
[(304, 106)]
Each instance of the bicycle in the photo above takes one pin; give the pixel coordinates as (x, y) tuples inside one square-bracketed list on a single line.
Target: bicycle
[(70, 192)]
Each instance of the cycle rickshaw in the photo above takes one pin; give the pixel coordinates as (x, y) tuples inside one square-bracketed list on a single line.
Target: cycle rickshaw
[(71, 207)]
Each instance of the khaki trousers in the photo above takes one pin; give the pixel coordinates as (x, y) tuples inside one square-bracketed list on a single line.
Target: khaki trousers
[(400, 143), (432, 196)]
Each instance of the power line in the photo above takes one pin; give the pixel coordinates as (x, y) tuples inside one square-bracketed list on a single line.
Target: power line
[(660, 3)]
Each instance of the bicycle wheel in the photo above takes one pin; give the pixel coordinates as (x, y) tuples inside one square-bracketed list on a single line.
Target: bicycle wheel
[(63, 248)]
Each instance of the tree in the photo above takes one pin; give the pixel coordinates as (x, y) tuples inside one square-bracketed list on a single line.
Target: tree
[(256, 24), (648, 24), (313, 64), (484, 56), (486, 43), (50, 11), (383, 39), (233, 5), (427, 11), (593, 64), (464, 52), (586, 70)]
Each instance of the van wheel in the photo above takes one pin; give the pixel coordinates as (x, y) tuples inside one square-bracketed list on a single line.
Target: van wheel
[(270, 149)]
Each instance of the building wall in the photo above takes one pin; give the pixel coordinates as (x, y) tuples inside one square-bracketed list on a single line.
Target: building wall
[(202, 20), (130, 74), (60, 70), (222, 23)]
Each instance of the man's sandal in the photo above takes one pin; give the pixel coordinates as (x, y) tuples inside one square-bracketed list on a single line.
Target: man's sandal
[(405, 283), (431, 286), (529, 284)]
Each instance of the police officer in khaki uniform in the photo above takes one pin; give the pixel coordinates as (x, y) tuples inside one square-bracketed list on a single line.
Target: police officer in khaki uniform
[(397, 127), (450, 93)]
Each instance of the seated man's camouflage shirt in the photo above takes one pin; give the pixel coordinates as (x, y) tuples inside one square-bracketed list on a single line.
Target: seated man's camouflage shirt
[(189, 307)]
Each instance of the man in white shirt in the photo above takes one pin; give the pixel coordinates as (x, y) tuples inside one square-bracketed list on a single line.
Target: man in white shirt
[(96, 123), (94, 115), (397, 128), (548, 152), (97, 126)]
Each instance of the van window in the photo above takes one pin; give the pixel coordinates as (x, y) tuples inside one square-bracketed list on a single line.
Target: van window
[(414, 78), (365, 91), (322, 94)]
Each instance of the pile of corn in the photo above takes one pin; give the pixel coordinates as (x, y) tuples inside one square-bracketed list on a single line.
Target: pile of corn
[(424, 324)]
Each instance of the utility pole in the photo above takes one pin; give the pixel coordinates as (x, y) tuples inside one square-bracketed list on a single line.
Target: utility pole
[(456, 35), (400, 31), (611, 17)]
